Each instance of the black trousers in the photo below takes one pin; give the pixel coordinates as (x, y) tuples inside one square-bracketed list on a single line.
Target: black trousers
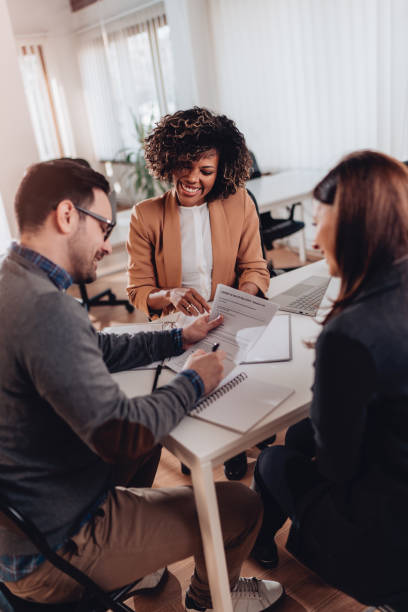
[(284, 475)]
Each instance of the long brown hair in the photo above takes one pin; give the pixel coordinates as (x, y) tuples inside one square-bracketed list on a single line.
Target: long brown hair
[(369, 191)]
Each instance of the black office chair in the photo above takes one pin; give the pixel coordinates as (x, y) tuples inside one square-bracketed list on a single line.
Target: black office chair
[(94, 599), (99, 299), (106, 297), (273, 228), (269, 263)]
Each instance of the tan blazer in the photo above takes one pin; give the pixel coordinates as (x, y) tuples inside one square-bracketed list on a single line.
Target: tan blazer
[(154, 246)]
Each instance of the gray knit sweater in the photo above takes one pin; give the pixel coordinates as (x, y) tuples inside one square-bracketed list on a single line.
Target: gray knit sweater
[(63, 419)]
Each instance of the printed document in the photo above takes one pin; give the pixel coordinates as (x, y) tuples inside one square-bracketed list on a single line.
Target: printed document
[(245, 319)]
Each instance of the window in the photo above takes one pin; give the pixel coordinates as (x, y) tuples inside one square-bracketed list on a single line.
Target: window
[(46, 103), (40, 102), (127, 72)]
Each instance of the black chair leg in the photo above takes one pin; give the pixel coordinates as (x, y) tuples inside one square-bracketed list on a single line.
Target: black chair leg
[(236, 467)]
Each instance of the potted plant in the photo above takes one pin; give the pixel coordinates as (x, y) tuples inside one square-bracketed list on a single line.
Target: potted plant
[(137, 176)]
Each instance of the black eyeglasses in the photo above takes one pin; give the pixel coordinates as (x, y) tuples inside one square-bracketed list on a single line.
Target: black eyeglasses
[(110, 224)]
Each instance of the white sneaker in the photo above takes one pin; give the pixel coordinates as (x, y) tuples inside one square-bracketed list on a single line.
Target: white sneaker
[(151, 582), (248, 595)]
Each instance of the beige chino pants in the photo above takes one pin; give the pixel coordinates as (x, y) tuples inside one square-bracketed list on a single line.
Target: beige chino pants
[(140, 530)]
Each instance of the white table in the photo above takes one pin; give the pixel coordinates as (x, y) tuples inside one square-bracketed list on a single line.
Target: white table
[(283, 189), (202, 446)]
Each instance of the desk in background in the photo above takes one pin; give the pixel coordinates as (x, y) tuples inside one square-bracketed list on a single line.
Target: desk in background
[(283, 189), (202, 446)]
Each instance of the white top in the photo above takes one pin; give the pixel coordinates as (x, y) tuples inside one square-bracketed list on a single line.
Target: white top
[(196, 249)]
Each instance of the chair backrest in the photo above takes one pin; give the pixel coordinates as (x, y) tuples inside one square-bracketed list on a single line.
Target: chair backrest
[(255, 171), (253, 198), (14, 520), (269, 263)]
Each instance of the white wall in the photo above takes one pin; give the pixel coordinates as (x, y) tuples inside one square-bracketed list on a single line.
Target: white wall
[(17, 143), (42, 16)]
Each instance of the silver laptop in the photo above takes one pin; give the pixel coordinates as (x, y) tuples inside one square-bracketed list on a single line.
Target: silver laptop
[(305, 297)]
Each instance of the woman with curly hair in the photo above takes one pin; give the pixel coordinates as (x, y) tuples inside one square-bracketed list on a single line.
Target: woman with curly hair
[(202, 232)]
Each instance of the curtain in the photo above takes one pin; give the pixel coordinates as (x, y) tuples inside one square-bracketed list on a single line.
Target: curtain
[(127, 73), (40, 101), (310, 80)]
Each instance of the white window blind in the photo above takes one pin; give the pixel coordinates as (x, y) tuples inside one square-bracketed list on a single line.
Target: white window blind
[(46, 103), (310, 80), (126, 70), (40, 101)]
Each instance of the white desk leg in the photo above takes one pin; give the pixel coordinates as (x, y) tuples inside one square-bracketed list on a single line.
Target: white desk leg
[(302, 237), (210, 527)]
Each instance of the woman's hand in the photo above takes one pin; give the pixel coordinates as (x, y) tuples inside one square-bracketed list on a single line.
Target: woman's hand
[(188, 301), (199, 329)]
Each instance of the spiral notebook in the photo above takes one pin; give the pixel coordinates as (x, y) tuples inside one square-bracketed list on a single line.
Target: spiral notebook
[(241, 402)]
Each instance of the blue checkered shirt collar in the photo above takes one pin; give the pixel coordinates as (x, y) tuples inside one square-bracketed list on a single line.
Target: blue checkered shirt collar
[(56, 274)]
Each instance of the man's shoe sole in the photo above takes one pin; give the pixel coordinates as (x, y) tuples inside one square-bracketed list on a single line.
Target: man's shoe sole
[(277, 602)]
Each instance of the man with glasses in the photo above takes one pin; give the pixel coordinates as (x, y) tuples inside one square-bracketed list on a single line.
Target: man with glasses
[(106, 224), (69, 435)]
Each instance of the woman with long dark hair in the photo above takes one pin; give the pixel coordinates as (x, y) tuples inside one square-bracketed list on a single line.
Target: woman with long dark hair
[(342, 476)]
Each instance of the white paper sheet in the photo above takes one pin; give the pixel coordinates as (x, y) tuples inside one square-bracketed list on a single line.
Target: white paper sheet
[(245, 319), (275, 344)]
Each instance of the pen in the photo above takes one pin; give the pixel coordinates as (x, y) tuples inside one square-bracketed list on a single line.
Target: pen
[(215, 347), (156, 376)]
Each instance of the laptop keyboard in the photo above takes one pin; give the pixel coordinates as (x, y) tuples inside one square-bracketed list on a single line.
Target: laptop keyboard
[(307, 304)]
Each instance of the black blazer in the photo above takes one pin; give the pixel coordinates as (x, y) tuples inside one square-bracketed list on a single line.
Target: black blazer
[(353, 529)]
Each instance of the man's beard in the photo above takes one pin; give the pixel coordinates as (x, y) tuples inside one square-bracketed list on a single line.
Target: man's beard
[(83, 271), (88, 279), (82, 275)]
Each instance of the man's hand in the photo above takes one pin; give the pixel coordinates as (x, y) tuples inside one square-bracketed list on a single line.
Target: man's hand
[(188, 301), (199, 329), (209, 366)]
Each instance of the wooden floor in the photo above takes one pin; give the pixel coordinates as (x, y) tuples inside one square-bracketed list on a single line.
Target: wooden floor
[(305, 592)]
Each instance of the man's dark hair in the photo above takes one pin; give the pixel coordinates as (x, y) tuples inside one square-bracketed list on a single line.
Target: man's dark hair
[(46, 184)]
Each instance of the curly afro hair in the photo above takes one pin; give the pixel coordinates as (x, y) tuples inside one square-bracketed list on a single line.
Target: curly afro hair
[(183, 137)]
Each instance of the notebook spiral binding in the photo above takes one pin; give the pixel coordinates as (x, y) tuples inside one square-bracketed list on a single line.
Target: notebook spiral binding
[(207, 401)]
